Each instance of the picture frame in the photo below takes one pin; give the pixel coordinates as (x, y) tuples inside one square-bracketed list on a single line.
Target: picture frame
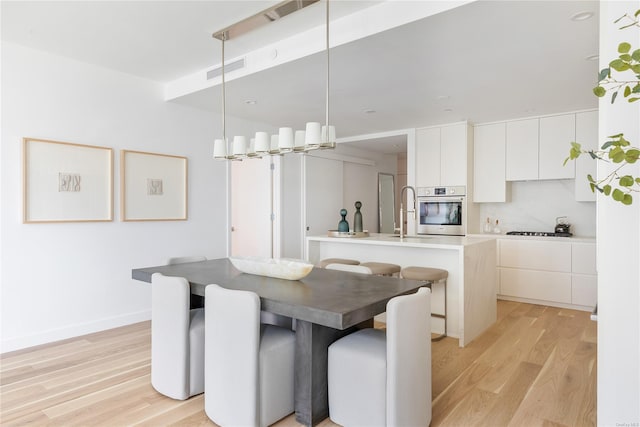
[(153, 186), (66, 182)]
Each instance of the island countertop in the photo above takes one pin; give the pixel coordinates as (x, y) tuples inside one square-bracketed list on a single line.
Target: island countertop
[(421, 241), (469, 260)]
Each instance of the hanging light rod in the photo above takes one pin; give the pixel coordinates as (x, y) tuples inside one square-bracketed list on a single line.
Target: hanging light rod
[(315, 136), (258, 20)]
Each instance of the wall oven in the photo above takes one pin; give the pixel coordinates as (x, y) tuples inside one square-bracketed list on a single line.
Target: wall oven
[(442, 210)]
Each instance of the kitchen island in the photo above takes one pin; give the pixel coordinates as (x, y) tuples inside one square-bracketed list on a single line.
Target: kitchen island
[(470, 261)]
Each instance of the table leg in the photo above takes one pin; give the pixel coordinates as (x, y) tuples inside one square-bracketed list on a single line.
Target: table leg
[(311, 389)]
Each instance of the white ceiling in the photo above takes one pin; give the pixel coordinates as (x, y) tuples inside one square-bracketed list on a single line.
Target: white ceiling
[(484, 61)]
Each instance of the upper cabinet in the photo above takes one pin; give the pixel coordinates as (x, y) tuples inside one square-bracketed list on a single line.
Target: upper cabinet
[(556, 135), (587, 136), (522, 150), (442, 155), (489, 148), (536, 148)]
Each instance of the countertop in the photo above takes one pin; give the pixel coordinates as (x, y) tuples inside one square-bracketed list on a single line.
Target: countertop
[(422, 241), (572, 239)]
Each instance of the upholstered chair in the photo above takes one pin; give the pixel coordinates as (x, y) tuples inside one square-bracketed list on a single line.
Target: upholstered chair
[(177, 339), (185, 259), (249, 366), (384, 379)]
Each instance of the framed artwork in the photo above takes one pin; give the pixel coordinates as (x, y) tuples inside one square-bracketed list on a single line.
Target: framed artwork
[(65, 182), (153, 186)]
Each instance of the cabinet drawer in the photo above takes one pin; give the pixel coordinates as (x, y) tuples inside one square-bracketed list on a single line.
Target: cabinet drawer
[(540, 285), (583, 258), (535, 255), (584, 290)]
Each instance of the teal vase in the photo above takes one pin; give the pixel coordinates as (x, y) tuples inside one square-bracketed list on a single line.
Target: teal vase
[(357, 218), (343, 225)]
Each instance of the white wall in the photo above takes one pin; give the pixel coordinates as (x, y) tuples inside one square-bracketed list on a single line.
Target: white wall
[(62, 280), (534, 206), (361, 183), (618, 250)]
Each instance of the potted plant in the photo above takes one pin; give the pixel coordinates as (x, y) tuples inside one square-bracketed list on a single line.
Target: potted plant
[(622, 76)]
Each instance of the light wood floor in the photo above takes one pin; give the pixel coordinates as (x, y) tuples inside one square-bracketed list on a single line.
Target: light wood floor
[(536, 366)]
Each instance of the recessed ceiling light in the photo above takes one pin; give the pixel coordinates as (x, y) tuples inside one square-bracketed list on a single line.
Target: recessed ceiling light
[(369, 111), (448, 110), (250, 101), (581, 16), (593, 57)]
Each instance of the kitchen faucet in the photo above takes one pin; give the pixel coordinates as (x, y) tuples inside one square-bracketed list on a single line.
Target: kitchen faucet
[(413, 190)]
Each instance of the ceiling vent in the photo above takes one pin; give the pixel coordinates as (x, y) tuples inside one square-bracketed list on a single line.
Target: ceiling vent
[(228, 67)]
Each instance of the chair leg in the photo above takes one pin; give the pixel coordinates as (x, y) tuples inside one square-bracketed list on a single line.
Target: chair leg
[(442, 316)]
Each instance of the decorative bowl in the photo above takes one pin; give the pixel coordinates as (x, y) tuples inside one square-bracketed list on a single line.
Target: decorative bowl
[(280, 268)]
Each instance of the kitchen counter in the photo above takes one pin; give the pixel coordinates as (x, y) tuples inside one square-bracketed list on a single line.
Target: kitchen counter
[(572, 239), (470, 261)]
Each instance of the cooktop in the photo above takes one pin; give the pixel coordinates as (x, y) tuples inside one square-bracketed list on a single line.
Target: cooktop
[(538, 233)]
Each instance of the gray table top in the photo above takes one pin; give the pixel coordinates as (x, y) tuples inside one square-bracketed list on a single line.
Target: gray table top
[(336, 299)]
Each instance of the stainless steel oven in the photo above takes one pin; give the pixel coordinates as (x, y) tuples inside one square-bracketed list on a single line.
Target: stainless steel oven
[(442, 210)]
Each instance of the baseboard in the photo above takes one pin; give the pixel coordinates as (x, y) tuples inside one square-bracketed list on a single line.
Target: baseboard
[(547, 303), (73, 331)]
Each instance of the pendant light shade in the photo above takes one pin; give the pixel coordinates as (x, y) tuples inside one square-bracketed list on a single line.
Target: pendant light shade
[(263, 143), (285, 140)]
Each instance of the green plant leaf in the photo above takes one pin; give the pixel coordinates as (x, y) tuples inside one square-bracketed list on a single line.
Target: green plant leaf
[(635, 15), (636, 55), (618, 135), (624, 47), (604, 73), (632, 155), (635, 68), (619, 65), (627, 199), (638, 180), (590, 178), (636, 88), (633, 99), (593, 155), (614, 96), (606, 190), (625, 57), (616, 154), (626, 181), (627, 91), (593, 187), (623, 142), (599, 91), (617, 195)]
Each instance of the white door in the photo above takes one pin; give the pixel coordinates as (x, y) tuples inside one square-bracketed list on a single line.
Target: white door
[(251, 208), (323, 195)]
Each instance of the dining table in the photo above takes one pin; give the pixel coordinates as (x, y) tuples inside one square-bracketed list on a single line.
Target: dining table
[(326, 305)]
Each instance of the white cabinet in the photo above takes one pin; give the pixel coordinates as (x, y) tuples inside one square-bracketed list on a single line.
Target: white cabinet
[(428, 157), (550, 272), (535, 284), (453, 155), (536, 255), (441, 155), (556, 135), (489, 152), (587, 136), (522, 150)]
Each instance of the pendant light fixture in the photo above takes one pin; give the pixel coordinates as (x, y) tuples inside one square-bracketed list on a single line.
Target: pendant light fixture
[(288, 140)]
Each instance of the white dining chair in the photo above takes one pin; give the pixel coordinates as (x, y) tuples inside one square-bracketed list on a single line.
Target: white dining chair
[(351, 268), (185, 259), (177, 339), (249, 367), (378, 379)]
